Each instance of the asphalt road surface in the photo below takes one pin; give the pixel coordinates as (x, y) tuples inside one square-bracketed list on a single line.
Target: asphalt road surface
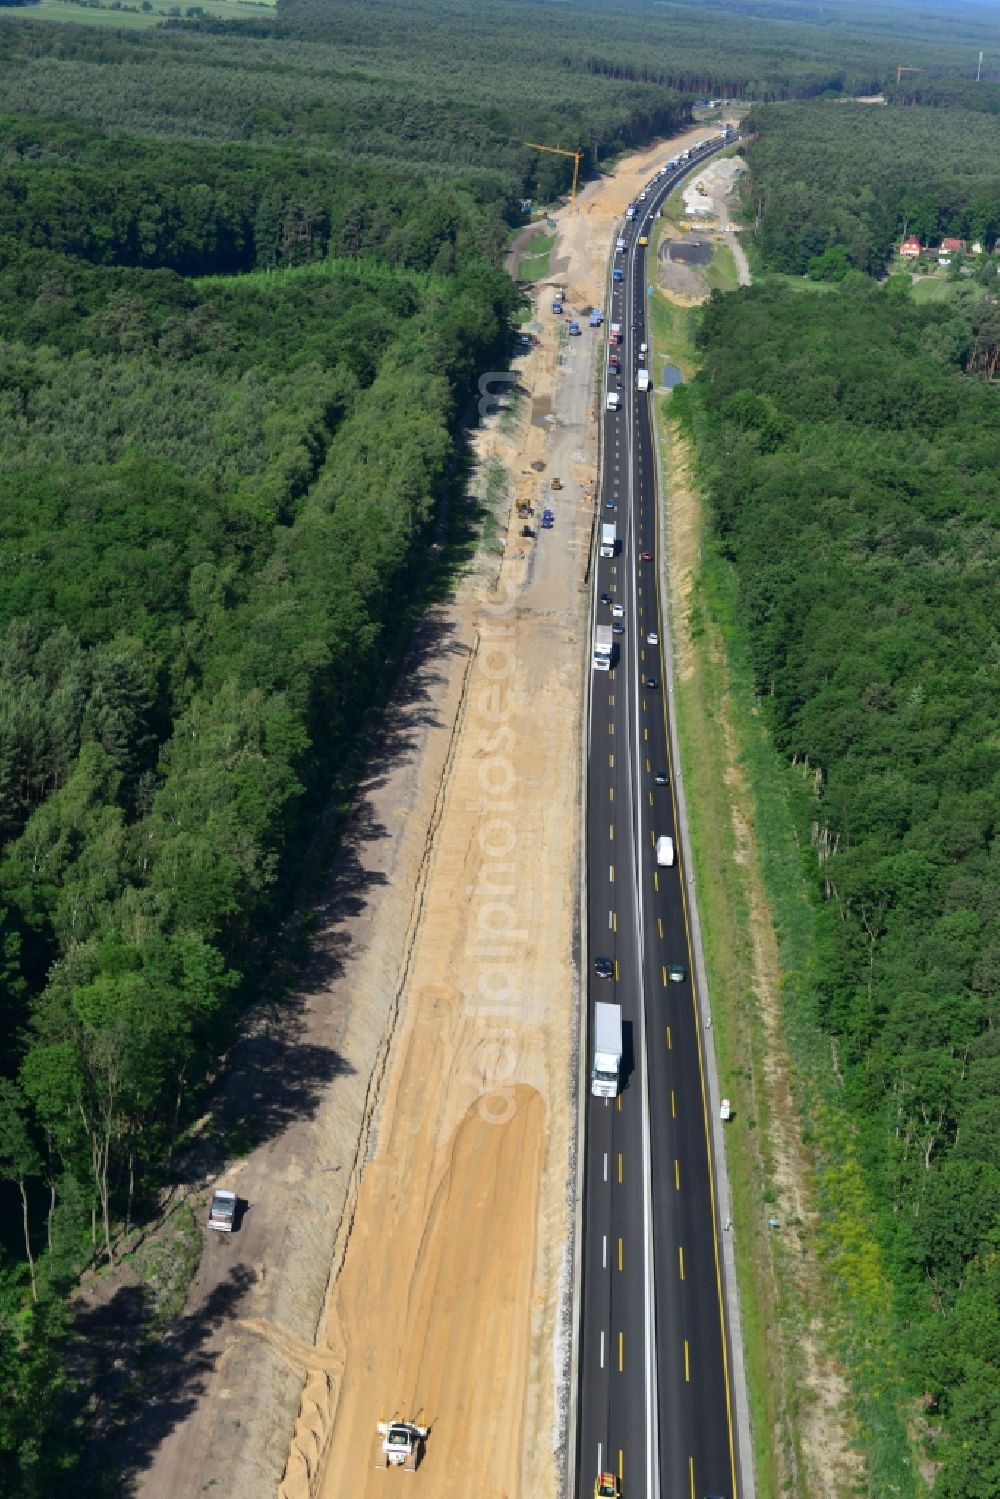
[(654, 1402)]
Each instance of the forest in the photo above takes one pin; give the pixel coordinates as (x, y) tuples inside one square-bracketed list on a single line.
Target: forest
[(231, 381), (249, 274), (852, 460), (859, 177)]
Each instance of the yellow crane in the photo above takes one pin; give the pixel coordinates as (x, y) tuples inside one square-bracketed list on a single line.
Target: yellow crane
[(558, 151)]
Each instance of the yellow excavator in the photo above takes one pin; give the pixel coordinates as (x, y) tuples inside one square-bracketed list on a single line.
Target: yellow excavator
[(606, 1486)]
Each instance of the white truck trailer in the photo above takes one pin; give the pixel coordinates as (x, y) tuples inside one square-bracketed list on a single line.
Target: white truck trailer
[(609, 539), (605, 1078), (604, 643), (642, 380)]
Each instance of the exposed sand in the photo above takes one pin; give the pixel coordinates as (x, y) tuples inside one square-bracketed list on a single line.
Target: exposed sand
[(451, 1298), (410, 1234)]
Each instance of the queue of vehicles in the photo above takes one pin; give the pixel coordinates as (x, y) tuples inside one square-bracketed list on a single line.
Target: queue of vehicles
[(606, 1079)]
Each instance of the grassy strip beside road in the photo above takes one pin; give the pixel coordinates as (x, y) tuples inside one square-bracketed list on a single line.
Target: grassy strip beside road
[(534, 265), (789, 1146)]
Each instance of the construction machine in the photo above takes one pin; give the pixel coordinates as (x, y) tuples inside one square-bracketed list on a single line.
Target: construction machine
[(400, 1444), (606, 1486), (523, 507)]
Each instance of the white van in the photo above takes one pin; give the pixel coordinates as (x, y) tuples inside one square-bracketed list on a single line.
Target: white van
[(665, 851), (614, 400)]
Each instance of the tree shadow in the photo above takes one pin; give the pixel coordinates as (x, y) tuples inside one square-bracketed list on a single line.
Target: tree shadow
[(140, 1386)]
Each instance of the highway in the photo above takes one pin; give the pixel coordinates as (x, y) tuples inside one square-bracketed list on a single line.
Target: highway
[(654, 1399)]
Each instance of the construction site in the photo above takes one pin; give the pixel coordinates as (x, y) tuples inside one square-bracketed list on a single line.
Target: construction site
[(411, 1244)]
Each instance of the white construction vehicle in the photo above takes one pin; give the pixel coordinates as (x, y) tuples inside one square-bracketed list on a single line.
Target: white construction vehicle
[(400, 1444)]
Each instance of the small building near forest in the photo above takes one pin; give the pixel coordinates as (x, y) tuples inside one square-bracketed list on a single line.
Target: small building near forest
[(911, 248)]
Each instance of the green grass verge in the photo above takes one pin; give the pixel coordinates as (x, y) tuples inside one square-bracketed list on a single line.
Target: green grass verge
[(534, 263), (672, 339), (721, 273), (130, 14), (846, 1259)]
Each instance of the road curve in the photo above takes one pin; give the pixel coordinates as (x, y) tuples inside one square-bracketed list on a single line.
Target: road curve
[(654, 1401)]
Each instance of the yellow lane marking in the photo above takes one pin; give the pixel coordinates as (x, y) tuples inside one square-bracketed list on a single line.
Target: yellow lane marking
[(619, 1168), (619, 1253), (618, 1103), (663, 974), (673, 1104), (621, 1353), (656, 880), (670, 1044), (611, 832), (612, 869), (659, 926), (677, 1173), (691, 1474), (687, 1362), (680, 1256)]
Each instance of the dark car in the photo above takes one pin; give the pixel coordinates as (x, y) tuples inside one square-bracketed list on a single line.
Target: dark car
[(618, 629), (647, 556), (604, 968), (677, 973), (662, 778), (610, 504), (649, 682), (606, 598)]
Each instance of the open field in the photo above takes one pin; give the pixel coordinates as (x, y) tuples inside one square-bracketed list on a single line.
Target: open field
[(134, 16)]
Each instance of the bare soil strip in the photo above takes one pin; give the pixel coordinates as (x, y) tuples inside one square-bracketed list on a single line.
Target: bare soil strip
[(409, 1239)]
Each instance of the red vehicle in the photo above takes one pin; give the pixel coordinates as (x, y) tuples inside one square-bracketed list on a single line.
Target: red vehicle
[(614, 364)]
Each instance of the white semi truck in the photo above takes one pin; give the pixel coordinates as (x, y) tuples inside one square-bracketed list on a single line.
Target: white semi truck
[(609, 539), (603, 646), (605, 1078)]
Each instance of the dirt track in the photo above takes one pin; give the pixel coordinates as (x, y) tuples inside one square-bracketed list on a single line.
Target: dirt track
[(428, 1183)]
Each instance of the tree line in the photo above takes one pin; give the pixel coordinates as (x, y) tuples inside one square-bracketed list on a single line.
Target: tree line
[(856, 178), (853, 465), (219, 495)]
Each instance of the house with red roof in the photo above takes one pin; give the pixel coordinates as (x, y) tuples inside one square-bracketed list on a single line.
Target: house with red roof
[(911, 248)]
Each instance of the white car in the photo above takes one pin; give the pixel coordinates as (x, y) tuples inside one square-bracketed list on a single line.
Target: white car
[(725, 1111), (222, 1213), (617, 611), (652, 638)]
